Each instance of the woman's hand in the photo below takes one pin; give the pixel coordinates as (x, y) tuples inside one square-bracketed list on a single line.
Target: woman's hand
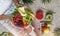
[(4, 17), (34, 24)]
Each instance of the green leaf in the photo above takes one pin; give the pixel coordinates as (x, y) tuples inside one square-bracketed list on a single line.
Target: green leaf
[(0, 34), (44, 1), (27, 1), (16, 10), (49, 1), (57, 31), (27, 11)]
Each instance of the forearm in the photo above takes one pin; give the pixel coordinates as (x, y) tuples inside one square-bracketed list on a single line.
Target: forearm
[(37, 32), (36, 29), (5, 17)]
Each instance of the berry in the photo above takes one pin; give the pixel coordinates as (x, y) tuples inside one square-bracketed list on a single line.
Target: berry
[(18, 21), (47, 31), (45, 24), (39, 15), (43, 28)]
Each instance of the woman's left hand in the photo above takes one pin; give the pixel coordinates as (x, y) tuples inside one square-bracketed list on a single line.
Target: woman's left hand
[(5, 17)]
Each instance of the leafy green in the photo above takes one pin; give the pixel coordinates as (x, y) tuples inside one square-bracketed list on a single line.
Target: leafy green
[(28, 17), (16, 10), (27, 11), (57, 32), (6, 34), (0, 34), (27, 1), (44, 1), (48, 1)]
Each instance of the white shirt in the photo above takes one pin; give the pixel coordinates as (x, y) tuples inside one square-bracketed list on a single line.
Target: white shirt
[(4, 5)]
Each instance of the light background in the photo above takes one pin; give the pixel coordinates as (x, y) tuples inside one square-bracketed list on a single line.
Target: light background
[(54, 6)]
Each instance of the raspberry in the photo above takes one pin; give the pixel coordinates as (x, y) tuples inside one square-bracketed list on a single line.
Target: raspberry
[(43, 28)]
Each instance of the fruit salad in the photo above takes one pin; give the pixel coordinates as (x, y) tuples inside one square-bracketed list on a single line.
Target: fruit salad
[(22, 17), (45, 27), (49, 16)]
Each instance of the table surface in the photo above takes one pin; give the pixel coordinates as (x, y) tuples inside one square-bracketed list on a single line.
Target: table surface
[(54, 6), (4, 5)]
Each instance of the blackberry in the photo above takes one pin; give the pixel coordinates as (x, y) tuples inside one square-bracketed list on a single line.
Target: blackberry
[(20, 23)]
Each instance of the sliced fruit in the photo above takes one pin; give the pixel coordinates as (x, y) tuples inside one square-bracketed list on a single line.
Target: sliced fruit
[(28, 19), (22, 11), (47, 31), (43, 28), (17, 18), (45, 24), (49, 25), (49, 16), (25, 23), (18, 21)]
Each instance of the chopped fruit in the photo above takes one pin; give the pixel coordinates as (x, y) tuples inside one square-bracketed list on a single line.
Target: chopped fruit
[(22, 11), (45, 24), (48, 25), (43, 28), (47, 31), (39, 15), (25, 23), (26, 14), (18, 21), (17, 18), (22, 16), (49, 16)]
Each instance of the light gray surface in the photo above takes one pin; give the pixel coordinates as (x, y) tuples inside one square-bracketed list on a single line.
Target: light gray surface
[(54, 6), (2, 29)]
